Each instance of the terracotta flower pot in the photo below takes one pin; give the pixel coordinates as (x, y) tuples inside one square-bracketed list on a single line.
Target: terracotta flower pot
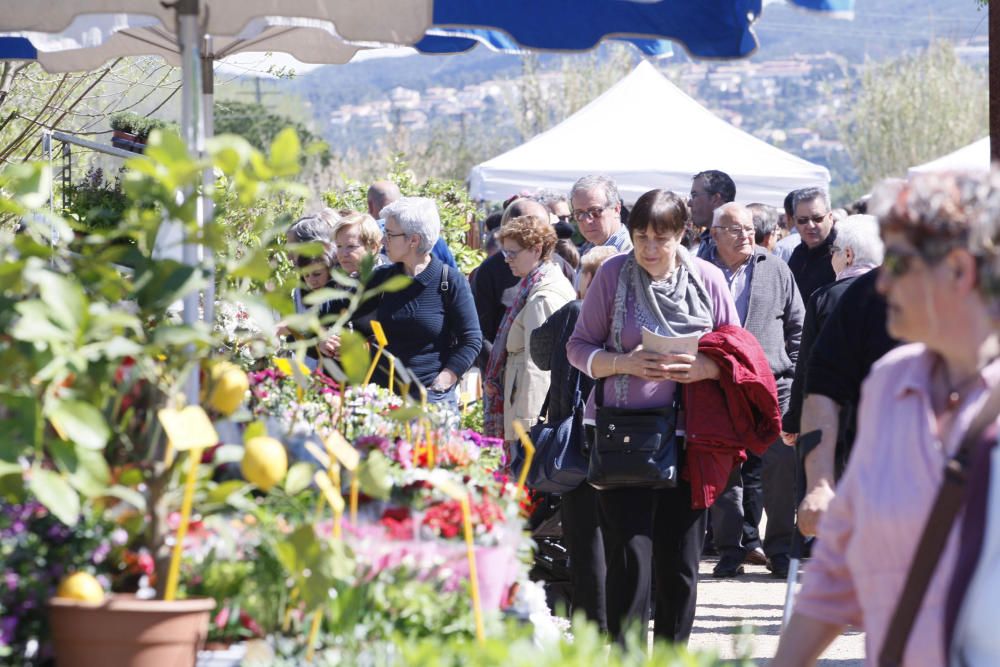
[(124, 631)]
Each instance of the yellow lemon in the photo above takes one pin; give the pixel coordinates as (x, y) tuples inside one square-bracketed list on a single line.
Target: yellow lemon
[(229, 385), (81, 586), (264, 462)]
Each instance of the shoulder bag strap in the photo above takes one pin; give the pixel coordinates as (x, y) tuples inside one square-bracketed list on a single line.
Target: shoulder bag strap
[(947, 504)]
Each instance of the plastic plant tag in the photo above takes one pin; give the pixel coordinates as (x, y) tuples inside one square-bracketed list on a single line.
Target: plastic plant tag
[(379, 333), (331, 494), (338, 446), (189, 428), (529, 454)]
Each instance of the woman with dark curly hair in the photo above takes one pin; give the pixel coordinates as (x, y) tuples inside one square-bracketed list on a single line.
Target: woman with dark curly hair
[(514, 386)]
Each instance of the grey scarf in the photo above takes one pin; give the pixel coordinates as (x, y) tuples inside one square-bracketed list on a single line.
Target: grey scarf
[(678, 305)]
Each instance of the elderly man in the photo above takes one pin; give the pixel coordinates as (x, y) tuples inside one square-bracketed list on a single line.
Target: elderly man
[(770, 308), (596, 208), (810, 261), (383, 193), (765, 224), (709, 190)]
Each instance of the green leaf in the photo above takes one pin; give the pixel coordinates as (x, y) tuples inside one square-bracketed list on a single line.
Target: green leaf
[(168, 335), (256, 266), (9, 468), (227, 454), (131, 496), (325, 294), (254, 430), (164, 282), (82, 423), (27, 183), (34, 325), (299, 478), (131, 477), (374, 476), (393, 284), (221, 493), (285, 152), (354, 357), (53, 491), (405, 414), (65, 299)]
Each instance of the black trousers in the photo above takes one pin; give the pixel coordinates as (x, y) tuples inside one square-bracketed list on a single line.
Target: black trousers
[(652, 533), (736, 513), (587, 566)]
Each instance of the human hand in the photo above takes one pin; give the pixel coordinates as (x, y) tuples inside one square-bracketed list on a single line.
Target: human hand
[(789, 438), (813, 507), (642, 364), (444, 381), (330, 347), (688, 368)]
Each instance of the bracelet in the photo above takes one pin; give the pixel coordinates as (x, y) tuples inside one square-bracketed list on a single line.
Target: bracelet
[(614, 364)]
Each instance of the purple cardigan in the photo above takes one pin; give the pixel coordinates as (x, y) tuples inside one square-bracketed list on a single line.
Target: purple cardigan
[(593, 330)]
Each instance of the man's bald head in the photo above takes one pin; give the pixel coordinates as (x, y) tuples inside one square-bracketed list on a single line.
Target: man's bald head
[(380, 195), (520, 207)]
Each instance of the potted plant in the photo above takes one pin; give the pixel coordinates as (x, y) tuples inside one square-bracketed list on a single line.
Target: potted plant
[(91, 353), (129, 131)]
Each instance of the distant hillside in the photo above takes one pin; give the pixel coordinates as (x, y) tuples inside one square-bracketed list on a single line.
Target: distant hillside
[(881, 29)]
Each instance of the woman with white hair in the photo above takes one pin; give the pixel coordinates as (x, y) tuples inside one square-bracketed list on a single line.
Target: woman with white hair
[(857, 250), (431, 324)]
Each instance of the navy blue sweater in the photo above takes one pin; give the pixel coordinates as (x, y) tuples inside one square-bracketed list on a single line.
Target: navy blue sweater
[(428, 329)]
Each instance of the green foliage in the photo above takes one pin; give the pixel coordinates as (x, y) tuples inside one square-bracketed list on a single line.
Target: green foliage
[(139, 125), (260, 127), (454, 206), (95, 202), (912, 110)]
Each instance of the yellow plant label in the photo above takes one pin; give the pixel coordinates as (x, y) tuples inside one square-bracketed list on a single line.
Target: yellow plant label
[(285, 366), (338, 446), (331, 494), (379, 333), (189, 428), (322, 457)]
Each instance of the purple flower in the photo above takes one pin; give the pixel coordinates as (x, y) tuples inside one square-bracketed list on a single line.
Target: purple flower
[(101, 552), (8, 625), (11, 580)]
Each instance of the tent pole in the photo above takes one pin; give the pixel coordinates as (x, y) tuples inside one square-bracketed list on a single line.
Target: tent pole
[(208, 176), (193, 132)]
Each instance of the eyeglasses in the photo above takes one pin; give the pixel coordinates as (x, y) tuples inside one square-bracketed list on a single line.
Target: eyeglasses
[(510, 254), (897, 263), (392, 235), (590, 213), (737, 230), (815, 219), (834, 249)]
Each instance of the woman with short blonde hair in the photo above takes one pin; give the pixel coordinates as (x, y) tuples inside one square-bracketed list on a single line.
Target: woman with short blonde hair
[(356, 235)]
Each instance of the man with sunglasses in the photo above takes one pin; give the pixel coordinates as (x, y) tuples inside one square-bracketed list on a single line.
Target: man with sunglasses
[(810, 261), (596, 209)]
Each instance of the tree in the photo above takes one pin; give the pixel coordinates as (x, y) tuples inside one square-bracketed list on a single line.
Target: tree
[(259, 126), (912, 110)]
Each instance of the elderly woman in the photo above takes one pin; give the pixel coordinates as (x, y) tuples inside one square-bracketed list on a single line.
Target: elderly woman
[(431, 325), (357, 235), (661, 286), (313, 228), (515, 387), (916, 405)]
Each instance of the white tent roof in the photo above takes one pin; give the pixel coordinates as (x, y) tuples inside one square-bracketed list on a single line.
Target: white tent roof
[(974, 157), (645, 133)]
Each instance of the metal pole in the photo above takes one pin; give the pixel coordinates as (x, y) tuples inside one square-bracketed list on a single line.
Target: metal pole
[(208, 177), (193, 133)]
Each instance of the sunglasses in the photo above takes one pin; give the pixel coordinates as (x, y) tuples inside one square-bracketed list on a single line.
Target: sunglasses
[(897, 263), (815, 219)]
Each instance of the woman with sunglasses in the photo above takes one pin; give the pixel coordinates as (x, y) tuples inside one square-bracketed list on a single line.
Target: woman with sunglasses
[(939, 281), (514, 387)]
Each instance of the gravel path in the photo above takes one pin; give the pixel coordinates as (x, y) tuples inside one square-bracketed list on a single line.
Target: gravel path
[(742, 616)]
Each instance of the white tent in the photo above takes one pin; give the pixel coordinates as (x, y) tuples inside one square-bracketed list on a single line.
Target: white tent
[(974, 157), (645, 133)]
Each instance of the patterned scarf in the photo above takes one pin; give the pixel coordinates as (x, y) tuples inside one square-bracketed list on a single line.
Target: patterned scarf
[(496, 366), (678, 305)]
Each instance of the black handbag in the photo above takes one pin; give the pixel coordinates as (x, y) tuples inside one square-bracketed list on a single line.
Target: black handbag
[(636, 448), (559, 464)]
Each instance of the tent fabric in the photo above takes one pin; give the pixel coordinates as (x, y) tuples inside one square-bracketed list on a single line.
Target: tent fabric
[(645, 133), (975, 158)]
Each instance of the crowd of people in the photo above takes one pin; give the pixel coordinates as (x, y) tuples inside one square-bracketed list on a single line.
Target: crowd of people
[(846, 359)]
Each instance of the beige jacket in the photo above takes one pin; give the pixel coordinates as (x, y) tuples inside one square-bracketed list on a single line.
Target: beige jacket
[(525, 385)]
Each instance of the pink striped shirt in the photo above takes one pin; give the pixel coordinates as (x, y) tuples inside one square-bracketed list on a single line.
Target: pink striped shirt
[(869, 535)]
